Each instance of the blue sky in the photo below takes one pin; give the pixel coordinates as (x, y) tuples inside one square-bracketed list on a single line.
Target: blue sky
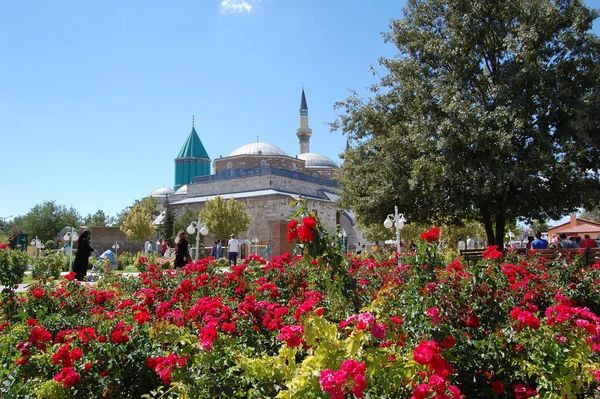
[(96, 98)]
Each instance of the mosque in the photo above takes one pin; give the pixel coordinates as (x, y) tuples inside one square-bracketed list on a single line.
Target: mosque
[(266, 179)]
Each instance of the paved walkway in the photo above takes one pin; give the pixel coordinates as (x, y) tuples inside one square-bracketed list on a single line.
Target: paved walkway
[(23, 287)]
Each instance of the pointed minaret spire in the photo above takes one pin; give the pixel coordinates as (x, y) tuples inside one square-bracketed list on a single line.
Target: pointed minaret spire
[(193, 116), (304, 132)]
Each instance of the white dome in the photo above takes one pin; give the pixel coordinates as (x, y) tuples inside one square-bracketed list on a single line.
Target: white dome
[(161, 192), (258, 149), (181, 190), (314, 160)]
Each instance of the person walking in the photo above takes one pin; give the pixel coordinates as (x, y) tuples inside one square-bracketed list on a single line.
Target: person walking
[(470, 243), (84, 249), (461, 244), (268, 251), (164, 247), (181, 251), (159, 247), (234, 247)]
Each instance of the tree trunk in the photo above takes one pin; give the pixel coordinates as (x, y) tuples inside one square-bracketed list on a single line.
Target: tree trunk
[(489, 227), (500, 224)]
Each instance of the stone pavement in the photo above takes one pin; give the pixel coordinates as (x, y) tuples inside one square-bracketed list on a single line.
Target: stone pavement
[(23, 287)]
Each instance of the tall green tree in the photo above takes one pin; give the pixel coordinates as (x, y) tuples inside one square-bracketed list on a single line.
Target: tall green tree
[(45, 220), (225, 217), (592, 213), (166, 227), (99, 219), (489, 112), (137, 221), (183, 221)]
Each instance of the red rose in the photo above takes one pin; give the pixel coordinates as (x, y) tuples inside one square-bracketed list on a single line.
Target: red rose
[(2, 246), (498, 387), (473, 321), (305, 234), (449, 342), (309, 221)]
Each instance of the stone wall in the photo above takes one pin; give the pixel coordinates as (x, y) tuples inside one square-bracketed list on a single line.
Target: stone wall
[(267, 216), (104, 238), (254, 161), (253, 183)]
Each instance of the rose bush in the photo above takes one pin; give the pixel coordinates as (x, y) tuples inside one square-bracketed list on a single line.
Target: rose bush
[(320, 325)]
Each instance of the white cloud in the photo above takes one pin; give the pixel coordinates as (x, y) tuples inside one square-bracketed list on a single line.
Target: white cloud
[(237, 6)]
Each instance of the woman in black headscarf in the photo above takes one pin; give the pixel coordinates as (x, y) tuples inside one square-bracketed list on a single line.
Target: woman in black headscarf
[(83, 253), (182, 250)]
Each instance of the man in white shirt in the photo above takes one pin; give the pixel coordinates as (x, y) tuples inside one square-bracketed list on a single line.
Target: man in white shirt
[(461, 244), (470, 243), (234, 246)]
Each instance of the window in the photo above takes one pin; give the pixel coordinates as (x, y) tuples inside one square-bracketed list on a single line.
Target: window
[(294, 167), (263, 162), (229, 165)]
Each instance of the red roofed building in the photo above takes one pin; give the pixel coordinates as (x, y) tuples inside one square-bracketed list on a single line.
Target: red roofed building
[(577, 227)]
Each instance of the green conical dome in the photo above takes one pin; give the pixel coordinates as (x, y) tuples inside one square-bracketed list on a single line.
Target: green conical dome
[(193, 147), (192, 161)]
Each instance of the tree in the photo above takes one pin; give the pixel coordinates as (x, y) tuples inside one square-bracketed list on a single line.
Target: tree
[(488, 112), (592, 213), (45, 220), (184, 220), (225, 217), (166, 227), (98, 219), (538, 225), (137, 221)]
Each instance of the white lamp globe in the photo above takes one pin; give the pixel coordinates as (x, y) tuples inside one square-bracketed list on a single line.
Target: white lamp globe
[(191, 229), (67, 237), (204, 230), (75, 236), (388, 223)]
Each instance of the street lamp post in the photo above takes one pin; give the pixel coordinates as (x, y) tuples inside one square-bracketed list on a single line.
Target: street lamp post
[(510, 235), (116, 248), (198, 228), (71, 236), (37, 245), (255, 243), (3, 218), (343, 236), (398, 220)]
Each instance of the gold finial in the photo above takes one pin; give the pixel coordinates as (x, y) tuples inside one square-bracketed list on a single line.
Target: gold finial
[(193, 120)]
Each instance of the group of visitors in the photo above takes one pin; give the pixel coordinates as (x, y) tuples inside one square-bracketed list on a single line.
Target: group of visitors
[(561, 241)]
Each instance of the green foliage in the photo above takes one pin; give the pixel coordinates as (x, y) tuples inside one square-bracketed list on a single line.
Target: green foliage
[(12, 266), (488, 112), (167, 226), (225, 217), (184, 220), (137, 222), (49, 245), (49, 265), (45, 220), (99, 219)]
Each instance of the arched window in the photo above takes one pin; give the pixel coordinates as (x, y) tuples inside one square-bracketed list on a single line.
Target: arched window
[(229, 165), (294, 167), (263, 162)]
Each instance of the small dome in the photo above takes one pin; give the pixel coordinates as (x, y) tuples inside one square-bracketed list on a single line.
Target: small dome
[(314, 160), (181, 190), (258, 149), (161, 192)]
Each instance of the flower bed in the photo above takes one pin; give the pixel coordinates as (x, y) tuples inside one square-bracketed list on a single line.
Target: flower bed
[(317, 326)]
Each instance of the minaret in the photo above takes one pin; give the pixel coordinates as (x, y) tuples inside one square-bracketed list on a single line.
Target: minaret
[(304, 132)]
